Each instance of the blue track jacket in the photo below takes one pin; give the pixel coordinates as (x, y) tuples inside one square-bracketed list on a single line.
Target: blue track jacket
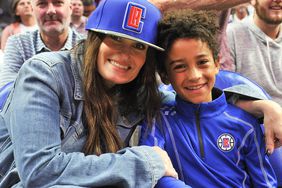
[(212, 144)]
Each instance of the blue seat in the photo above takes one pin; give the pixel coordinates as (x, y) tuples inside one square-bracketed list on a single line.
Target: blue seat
[(227, 81), (4, 93)]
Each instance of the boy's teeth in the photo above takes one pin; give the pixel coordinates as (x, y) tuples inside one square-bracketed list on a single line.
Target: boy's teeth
[(195, 87)]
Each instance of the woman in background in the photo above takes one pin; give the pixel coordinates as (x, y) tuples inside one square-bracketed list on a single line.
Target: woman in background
[(24, 20)]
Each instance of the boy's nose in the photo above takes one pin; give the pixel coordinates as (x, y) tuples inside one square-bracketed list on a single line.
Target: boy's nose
[(194, 74)]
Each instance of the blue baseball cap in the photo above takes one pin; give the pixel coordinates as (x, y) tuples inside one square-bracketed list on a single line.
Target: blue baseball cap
[(132, 19)]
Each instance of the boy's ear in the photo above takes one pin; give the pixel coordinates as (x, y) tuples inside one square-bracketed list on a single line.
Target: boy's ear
[(217, 63)]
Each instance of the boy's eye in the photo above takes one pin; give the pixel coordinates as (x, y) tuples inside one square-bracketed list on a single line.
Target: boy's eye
[(179, 68), (203, 62), (116, 38)]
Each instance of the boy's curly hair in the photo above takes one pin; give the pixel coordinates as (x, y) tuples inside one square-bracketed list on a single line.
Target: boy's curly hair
[(187, 23)]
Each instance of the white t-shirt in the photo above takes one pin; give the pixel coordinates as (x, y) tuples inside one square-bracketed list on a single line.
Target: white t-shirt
[(24, 28), (1, 58)]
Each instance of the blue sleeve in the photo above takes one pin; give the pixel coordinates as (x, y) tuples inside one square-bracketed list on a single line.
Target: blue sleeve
[(258, 165), (233, 83), (170, 182), (152, 137), (156, 137)]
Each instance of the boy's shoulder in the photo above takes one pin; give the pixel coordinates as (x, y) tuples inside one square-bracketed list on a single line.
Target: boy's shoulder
[(239, 115)]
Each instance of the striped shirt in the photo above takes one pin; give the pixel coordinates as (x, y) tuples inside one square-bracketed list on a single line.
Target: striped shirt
[(21, 47)]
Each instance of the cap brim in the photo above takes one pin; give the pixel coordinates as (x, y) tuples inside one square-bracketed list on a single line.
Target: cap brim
[(127, 37)]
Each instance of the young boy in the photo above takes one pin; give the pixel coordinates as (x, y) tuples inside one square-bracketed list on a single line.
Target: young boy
[(210, 142)]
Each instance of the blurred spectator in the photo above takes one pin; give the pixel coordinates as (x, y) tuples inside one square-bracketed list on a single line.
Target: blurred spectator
[(24, 20), (78, 21), (256, 46), (54, 34), (5, 16), (96, 2), (89, 6), (240, 12)]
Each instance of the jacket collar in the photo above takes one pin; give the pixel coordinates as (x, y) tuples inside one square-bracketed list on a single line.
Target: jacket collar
[(206, 109)]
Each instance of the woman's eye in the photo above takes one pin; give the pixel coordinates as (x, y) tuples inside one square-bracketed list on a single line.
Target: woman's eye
[(116, 38), (140, 46)]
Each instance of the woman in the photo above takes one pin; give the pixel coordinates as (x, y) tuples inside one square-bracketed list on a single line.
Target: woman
[(24, 20), (66, 107)]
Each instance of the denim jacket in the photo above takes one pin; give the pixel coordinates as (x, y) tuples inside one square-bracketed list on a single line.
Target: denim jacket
[(42, 134)]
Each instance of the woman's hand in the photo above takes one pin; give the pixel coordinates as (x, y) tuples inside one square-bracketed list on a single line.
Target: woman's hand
[(219, 5), (169, 170), (272, 113), (273, 126)]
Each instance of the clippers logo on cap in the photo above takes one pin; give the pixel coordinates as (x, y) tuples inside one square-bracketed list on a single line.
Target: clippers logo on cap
[(132, 18)]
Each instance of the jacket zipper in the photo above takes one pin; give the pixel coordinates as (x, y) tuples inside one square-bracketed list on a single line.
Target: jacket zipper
[(200, 136)]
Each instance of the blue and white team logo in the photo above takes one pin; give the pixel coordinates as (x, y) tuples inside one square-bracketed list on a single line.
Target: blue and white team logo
[(225, 142)]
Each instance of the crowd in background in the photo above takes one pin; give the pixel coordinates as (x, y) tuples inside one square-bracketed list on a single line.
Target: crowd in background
[(240, 12), (18, 17)]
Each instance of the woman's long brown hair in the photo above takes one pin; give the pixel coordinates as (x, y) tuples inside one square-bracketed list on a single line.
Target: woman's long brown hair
[(100, 111)]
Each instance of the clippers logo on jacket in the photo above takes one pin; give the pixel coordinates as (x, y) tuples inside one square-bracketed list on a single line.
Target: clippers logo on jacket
[(132, 18), (225, 142)]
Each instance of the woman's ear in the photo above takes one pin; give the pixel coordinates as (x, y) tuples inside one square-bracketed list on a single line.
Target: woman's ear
[(217, 64), (164, 78)]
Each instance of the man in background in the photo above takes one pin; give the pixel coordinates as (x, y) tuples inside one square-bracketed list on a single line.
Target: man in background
[(5, 17), (78, 21), (256, 46), (54, 34), (89, 6)]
